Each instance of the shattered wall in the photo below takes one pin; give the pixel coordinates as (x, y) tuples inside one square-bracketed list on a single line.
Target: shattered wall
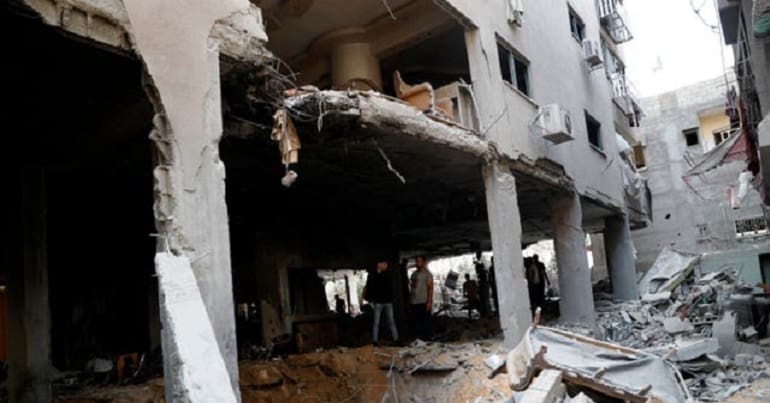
[(179, 43), (695, 217)]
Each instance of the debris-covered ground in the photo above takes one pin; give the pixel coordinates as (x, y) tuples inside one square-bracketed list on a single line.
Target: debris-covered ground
[(434, 372), (690, 337), (705, 325)]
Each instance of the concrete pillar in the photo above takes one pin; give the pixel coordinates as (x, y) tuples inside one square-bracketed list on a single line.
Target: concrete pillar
[(182, 80), (29, 333), (576, 302), (505, 229), (620, 257), (354, 61)]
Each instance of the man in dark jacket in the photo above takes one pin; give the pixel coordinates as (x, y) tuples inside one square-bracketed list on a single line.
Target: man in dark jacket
[(379, 292)]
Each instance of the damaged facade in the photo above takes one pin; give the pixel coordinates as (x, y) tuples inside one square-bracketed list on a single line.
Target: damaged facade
[(408, 128), (695, 155)]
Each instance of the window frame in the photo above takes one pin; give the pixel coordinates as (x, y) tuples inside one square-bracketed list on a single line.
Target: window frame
[(695, 131), (592, 122), (720, 135), (639, 163), (518, 68), (577, 26)]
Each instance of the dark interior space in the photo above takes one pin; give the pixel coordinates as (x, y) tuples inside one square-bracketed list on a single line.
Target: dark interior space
[(79, 113)]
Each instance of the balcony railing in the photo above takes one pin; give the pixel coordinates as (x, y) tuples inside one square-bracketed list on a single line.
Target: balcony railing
[(624, 96), (615, 20)]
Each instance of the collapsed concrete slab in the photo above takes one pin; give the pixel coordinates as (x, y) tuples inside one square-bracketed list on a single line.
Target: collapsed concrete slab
[(609, 369), (669, 270)]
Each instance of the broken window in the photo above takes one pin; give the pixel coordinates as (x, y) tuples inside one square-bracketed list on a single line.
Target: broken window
[(576, 25), (514, 68), (691, 136), (594, 130), (639, 159)]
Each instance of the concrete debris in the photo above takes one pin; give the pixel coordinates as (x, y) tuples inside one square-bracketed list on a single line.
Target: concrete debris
[(676, 325), (547, 388), (579, 398), (668, 271), (706, 326), (200, 368), (608, 369)]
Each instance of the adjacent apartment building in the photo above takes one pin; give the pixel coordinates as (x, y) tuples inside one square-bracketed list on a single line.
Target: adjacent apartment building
[(696, 160), (348, 131)]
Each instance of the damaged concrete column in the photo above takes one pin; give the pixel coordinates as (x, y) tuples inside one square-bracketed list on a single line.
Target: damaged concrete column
[(181, 57), (505, 228), (29, 313), (576, 303), (620, 257)]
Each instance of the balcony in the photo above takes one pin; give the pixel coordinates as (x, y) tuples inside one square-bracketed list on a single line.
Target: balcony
[(625, 98), (614, 19)]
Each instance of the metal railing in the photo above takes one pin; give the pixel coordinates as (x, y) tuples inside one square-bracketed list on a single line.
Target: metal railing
[(624, 95), (615, 20)]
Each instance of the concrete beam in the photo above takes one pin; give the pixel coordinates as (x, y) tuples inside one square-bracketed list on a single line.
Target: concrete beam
[(620, 257), (576, 304), (505, 228), (29, 333)]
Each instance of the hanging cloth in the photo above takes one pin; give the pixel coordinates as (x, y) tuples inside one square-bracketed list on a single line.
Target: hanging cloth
[(285, 134)]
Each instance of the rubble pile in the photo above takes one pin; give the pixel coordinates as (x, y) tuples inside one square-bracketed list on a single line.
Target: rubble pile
[(702, 324)]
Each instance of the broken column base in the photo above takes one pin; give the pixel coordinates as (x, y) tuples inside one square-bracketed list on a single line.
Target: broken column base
[(191, 356), (547, 388)]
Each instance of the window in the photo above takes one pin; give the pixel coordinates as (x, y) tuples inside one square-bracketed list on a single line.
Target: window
[(721, 135), (703, 231), (639, 157), (751, 227), (691, 136), (514, 68), (576, 25), (594, 129)]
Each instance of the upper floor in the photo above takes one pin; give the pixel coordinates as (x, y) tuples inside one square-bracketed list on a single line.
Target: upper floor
[(514, 57)]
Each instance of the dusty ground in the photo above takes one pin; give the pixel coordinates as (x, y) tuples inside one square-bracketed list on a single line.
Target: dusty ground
[(349, 375), (759, 392)]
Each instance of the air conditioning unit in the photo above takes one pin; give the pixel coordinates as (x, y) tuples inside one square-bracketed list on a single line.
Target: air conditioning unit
[(592, 53), (556, 124), (515, 11)]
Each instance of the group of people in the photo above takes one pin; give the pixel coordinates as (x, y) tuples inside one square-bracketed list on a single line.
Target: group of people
[(379, 292), (477, 292)]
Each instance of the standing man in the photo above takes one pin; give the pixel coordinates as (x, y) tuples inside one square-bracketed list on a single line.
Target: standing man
[(543, 275), (421, 299), (537, 279), (493, 284), (471, 291), (379, 291), (481, 275)]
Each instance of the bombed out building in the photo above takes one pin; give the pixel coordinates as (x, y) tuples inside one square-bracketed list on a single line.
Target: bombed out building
[(176, 165)]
